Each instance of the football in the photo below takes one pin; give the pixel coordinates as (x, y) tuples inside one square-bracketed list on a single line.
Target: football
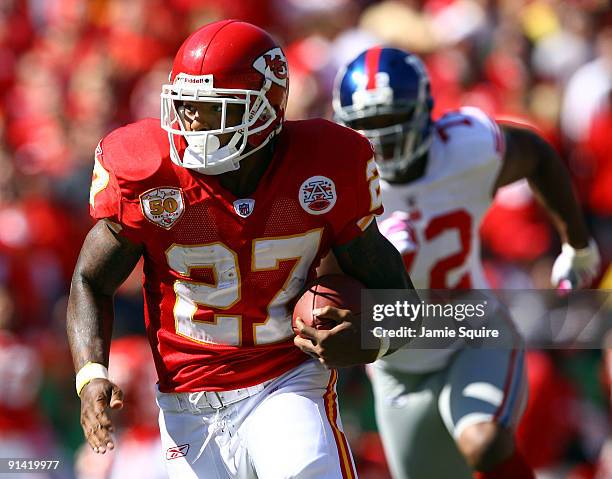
[(337, 290)]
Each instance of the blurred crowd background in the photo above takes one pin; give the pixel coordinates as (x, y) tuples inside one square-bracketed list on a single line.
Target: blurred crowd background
[(73, 70)]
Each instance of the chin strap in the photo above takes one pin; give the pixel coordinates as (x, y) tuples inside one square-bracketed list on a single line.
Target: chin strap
[(225, 167)]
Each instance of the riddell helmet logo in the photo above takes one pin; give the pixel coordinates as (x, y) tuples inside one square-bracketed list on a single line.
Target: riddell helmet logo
[(318, 195), (273, 65), (177, 451), (184, 79)]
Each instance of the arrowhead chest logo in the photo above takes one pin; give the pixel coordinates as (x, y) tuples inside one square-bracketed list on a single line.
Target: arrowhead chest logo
[(317, 195), (163, 206), (244, 207)]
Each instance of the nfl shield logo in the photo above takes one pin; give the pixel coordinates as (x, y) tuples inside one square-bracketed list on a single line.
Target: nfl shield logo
[(318, 195), (244, 207), (163, 206)]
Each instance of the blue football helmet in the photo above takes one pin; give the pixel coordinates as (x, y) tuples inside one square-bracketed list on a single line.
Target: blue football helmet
[(384, 93)]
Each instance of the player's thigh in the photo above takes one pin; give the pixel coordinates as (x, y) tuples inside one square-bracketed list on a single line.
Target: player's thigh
[(484, 385), (416, 442), (296, 432), (182, 436)]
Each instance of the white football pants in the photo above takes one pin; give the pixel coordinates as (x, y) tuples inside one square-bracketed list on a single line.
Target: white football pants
[(290, 429)]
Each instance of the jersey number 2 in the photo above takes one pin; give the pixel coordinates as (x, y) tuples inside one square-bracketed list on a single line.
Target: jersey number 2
[(460, 221)]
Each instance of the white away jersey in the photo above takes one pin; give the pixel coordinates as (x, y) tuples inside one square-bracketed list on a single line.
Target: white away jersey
[(434, 220)]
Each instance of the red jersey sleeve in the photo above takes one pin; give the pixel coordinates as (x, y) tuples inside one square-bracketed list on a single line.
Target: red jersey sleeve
[(104, 193), (363, 179), (105, 196)]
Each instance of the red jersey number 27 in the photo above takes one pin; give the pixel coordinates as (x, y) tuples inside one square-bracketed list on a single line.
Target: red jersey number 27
[(267, 253)]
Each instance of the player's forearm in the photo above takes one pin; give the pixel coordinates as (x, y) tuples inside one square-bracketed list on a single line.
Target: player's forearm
[(374, 261), (89, 323), (384, 271), (104, 263), (552, 186)]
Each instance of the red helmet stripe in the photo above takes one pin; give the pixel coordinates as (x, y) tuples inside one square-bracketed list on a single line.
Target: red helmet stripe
[(372, 59)]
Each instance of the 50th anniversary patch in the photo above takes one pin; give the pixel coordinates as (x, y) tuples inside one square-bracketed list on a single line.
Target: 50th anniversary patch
[(163, 206)]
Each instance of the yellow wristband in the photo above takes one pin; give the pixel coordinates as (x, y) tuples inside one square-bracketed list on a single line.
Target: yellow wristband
[(87, 373)]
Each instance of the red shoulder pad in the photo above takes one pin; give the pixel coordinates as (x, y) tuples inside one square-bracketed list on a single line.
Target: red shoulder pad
[(136, 153), (126, 162)]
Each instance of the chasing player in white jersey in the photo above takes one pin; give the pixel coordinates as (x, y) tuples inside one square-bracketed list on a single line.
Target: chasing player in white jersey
[(451, 413)]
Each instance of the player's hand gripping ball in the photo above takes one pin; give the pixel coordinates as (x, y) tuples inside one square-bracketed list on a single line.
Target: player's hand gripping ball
[(336, 290)]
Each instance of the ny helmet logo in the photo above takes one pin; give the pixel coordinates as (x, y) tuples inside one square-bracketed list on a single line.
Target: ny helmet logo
[(372, 91)]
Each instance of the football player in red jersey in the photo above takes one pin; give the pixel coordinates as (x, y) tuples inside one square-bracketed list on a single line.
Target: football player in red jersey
[(232, 209)]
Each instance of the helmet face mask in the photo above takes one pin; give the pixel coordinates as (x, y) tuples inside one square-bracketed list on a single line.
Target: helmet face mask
[(212, 130), (205, 149), (398, 139), (389, 102), (242, 104)]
